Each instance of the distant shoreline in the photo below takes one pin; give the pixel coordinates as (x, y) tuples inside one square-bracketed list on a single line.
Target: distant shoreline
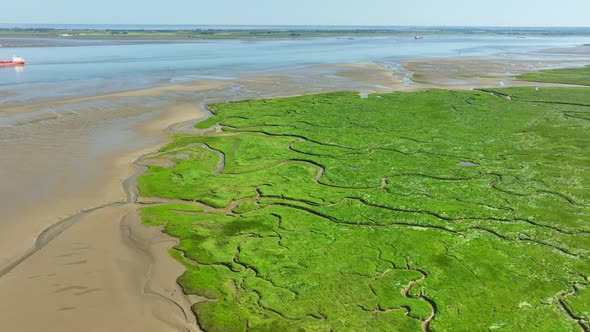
[(275, 27), (126, 32)]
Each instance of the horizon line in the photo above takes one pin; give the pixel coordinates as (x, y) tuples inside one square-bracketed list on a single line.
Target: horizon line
[(307, 25)]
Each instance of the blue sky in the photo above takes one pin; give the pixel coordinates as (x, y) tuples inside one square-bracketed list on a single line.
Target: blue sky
[(302, 12)]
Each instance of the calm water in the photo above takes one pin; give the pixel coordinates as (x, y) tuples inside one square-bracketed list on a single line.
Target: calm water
[(84, 68)]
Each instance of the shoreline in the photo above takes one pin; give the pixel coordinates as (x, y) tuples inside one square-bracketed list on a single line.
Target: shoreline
[(54, 238), (105, 169), (118, 223), (128, 186)]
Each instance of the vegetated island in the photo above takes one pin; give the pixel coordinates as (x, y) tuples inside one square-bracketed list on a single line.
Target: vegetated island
[(434, 210), (278, 33)]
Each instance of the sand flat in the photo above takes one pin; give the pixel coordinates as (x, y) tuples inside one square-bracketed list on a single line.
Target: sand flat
[(102, 275), (467, 73), (53, 170)]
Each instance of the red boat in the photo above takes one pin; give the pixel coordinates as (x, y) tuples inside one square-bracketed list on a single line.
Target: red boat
[(16, 61)]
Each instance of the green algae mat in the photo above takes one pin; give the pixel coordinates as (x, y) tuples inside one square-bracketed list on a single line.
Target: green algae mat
[(427, 211)]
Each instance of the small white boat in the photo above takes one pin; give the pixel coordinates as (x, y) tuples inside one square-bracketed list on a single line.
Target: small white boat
[(419, 37)]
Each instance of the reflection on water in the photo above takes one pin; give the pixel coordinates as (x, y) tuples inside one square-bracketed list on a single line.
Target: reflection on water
[(16, 68), (19, 69)]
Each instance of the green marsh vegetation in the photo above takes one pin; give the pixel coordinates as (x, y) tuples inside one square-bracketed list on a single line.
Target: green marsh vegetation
[(578, 76), (334, 212)]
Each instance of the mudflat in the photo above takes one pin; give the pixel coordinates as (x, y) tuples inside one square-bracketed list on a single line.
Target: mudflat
[(66, 186), (105, 273)]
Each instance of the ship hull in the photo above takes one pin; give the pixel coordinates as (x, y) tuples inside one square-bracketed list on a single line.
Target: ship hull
[(11, 63)]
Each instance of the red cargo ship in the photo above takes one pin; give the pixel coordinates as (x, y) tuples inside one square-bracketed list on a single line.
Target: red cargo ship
[(16, 61)]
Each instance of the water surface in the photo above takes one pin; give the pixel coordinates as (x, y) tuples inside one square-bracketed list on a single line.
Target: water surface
[(82, 67)]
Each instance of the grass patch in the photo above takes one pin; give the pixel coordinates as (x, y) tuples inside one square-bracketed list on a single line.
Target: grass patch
[(335, 212), (578, 76)]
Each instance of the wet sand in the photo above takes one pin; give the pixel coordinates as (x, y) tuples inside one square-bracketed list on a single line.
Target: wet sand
[(467, 73), (107, 273), (53, 168), (99, 272), (103, 271)]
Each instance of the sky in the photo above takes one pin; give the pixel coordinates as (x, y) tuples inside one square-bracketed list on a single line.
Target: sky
[(302, 12)]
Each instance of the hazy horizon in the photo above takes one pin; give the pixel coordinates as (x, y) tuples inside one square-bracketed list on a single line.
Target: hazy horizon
[(387, 13), (270, 26)]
